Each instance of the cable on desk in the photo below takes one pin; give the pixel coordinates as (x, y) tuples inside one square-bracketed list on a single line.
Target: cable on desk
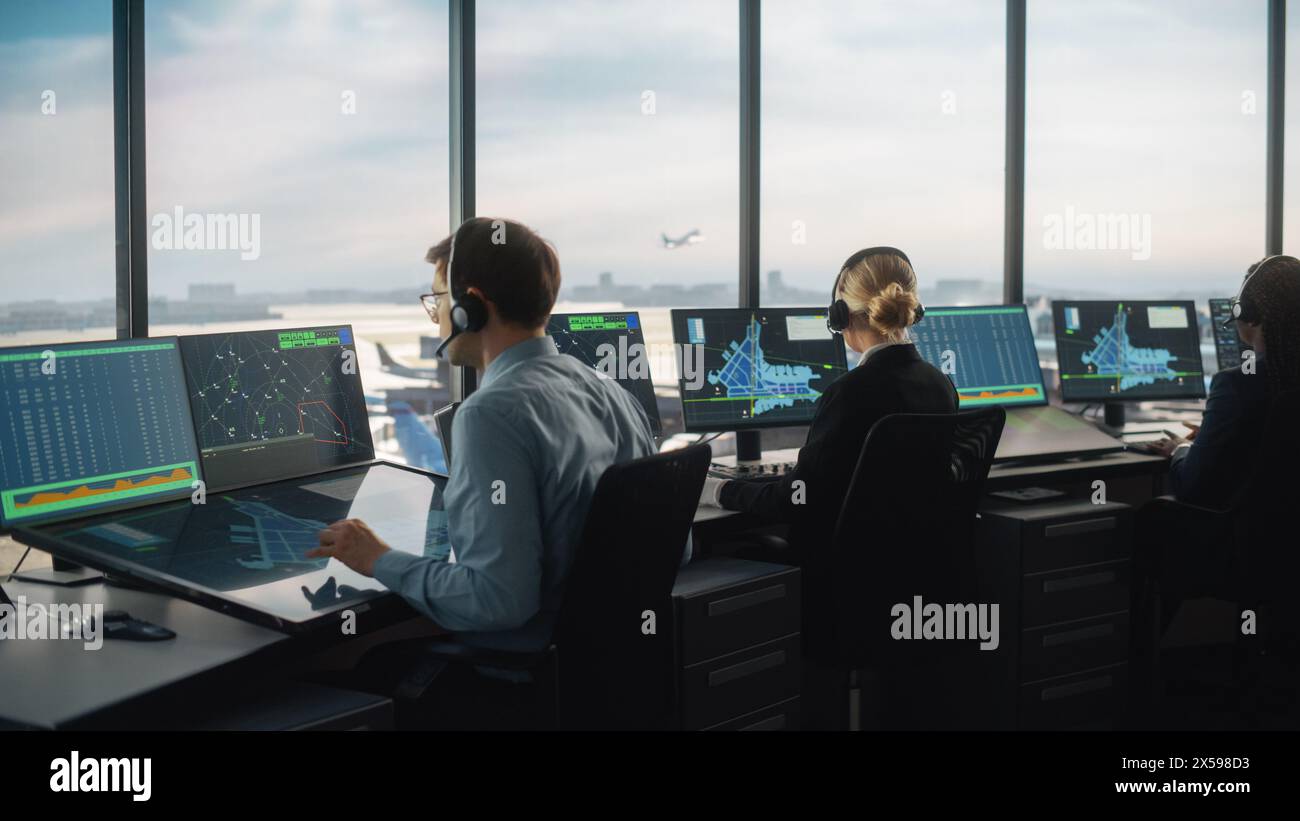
[(21, 559)]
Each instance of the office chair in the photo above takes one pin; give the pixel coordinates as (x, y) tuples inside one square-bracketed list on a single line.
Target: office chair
[(906, 529), (1244, 553), (601, 669)]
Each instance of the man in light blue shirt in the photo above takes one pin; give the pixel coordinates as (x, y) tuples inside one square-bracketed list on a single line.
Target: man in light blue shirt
[(528, 448)]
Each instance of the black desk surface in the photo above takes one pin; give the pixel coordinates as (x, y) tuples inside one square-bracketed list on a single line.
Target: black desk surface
[(57, 683)]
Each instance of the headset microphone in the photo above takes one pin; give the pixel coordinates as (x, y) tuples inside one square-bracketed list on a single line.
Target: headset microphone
[(455, 332), (838, 314)]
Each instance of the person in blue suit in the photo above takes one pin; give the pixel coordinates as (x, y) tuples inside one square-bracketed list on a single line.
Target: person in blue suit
[(1210, 466)]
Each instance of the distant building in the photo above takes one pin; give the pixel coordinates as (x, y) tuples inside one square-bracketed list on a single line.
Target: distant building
[(212, 292)]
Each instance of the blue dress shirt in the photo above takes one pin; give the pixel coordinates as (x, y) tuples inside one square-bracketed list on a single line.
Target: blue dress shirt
[(528, 449)]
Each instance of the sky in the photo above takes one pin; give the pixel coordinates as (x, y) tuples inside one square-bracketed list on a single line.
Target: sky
[(604, 124)]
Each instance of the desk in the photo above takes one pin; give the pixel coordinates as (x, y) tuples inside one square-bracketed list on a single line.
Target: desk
[(218, 671), (59, 684), (1131, 477)]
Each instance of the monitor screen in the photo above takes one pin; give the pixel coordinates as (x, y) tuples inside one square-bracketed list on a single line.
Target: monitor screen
[(753, 367), (244, 550), (1228, 347), (612, 343), (1128, 351), (987, 351), (273, 404), (93, 425)]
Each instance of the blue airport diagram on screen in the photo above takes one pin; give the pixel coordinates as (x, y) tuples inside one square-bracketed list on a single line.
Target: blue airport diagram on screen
[(761, 367), (97, 424), (1128, 350), (987, 351)]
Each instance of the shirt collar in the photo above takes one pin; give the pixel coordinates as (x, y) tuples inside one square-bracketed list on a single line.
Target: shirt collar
[(520, 351), (881, 346)]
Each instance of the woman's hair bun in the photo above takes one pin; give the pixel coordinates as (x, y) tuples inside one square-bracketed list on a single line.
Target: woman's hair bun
[(892, 308)]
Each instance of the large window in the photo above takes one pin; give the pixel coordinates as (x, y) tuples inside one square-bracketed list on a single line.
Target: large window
[(882, 125), (57, 268), (308, 142), (1291, 153), (611, 129), (1144, 169)]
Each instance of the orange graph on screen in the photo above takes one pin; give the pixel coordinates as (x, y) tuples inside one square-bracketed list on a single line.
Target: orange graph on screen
[(50, 497), (998, 394)]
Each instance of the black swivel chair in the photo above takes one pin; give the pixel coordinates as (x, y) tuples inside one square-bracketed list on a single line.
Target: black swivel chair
[(906, 529), (603, 669), (1245, 553)]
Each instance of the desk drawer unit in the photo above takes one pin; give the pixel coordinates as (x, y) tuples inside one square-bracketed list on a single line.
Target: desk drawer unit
[(1075, 645), (1062, 571), (738, 683), (738, 644)]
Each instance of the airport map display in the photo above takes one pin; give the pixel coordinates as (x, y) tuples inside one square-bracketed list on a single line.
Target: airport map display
[(761, 367), (251, 544), (1128, 350)]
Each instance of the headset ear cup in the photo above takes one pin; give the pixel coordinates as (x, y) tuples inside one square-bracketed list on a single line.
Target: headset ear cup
[(470, 314), (918, 314), (837, 316)]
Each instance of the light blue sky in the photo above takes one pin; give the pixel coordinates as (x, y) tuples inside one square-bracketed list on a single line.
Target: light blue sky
[(1133, 107)]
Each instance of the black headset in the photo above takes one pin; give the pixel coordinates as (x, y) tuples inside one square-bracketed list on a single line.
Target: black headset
[(1245, 309), (468, 311), (838, 314)]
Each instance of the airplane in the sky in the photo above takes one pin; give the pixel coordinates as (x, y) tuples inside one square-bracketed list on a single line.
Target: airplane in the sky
[(389, 365), (691, 237)]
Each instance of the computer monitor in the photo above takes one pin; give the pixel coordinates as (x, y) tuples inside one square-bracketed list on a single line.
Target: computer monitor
[(612, 343), (244, 552), (987, 350), (1228, 346), (752, 368), (93, 426), (1129, 351), (276, 404)]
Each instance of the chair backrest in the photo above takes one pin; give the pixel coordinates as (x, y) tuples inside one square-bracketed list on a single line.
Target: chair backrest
[(613, 674), (906, 529)]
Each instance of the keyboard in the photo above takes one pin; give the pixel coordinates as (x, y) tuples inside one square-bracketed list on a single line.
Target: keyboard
[(763, 470)]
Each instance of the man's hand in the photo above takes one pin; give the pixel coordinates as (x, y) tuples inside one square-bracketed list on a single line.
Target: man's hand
[(1166, 447), (352, 542), (1195, 429)]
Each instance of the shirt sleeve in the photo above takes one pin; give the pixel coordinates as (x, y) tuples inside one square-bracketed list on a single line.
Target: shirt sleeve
[(1195, 473), (774, 500), (494, 526)]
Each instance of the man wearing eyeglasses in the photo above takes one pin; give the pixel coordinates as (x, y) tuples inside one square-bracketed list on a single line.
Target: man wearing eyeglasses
[(530, 445)]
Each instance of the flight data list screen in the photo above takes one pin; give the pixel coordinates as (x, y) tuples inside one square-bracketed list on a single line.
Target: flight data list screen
[(988, 352), (96, 425)]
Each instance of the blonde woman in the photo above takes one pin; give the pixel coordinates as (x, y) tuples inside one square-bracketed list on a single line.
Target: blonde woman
[(874, 302)]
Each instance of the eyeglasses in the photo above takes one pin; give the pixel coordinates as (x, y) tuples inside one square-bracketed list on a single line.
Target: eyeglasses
[(431, 304)]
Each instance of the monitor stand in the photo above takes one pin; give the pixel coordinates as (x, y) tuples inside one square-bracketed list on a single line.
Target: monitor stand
[(1113, 418), (749, 447)]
